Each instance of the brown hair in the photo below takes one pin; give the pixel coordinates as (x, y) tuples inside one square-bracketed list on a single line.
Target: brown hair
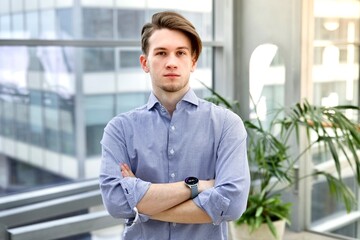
[(172, 21)]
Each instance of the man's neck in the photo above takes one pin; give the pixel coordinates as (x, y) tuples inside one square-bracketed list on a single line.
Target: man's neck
[(170, 99)]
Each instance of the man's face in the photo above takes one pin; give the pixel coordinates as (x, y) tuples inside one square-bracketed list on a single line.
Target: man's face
[(169, 61)]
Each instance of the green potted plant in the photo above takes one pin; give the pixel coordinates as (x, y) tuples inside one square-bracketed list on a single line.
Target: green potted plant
[(273, 163)]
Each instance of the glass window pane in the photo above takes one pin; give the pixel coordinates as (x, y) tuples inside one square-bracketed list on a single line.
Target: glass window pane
[(21, 123), (57, 66), (16, 5), (98, 23), (47, 24), (335, 75), (98, 111), (52, 123), (32, 24), (31, 5), (18, 29), (129, 58), (67, 124), (350, 230), (337, 20), (36, 118), (324, 204), (65, 22), (99, 60), (9, 119), (4, 7), (128, 101), (129, 23), (5, 26)]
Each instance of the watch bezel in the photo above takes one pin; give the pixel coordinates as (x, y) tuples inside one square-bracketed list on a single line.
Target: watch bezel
[(191, 181)]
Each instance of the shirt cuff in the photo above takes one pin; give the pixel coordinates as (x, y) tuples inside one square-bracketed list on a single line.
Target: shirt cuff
[(134, 190), (214, 204), (137, 219)]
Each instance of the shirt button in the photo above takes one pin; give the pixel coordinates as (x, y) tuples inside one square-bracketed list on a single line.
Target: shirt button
[(174, 224), (173, 128), (172, 175), (172, 151)]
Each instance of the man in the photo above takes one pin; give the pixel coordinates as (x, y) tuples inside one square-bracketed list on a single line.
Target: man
[(177, 167)]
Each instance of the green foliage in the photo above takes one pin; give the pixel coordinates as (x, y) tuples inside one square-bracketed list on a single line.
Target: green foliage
[(272, 163), (263, 208)]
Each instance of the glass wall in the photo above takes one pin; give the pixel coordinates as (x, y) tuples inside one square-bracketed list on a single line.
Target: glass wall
[(56, 98), (335, 82)]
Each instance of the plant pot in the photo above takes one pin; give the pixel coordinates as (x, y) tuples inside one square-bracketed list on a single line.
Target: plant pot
[(242, 232)]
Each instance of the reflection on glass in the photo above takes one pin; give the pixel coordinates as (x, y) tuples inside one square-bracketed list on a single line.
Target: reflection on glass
[(323, 204), (36, 94), (267, 79), (335, 82), (337, 20), (350, 230), (335, 75)]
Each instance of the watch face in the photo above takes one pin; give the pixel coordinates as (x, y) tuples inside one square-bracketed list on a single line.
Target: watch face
[(191, 180)]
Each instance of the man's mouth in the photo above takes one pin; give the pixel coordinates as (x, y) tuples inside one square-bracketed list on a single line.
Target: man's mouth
[(171, 75)]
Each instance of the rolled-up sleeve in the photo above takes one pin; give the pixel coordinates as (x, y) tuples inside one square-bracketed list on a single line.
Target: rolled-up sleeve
[(120, 195), (227, 200)]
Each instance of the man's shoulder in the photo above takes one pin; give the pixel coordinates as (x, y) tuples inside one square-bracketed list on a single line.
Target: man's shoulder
[(130, 115), (219, 111), (205, 104)]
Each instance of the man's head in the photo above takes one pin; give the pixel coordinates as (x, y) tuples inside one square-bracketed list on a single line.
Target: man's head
[(171, 21)]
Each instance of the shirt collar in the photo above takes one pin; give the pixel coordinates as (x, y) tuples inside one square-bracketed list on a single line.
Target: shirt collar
[(189, 97)]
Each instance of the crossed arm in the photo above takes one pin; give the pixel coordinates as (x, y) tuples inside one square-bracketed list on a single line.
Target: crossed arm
[(169, 202)]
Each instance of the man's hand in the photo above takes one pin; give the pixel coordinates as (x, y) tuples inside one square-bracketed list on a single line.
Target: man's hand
[(126, 171)]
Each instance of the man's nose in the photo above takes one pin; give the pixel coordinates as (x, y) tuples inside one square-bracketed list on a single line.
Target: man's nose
[(171, 61)]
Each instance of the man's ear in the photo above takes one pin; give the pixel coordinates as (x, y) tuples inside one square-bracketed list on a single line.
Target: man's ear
[(143, 63), (194, 63)]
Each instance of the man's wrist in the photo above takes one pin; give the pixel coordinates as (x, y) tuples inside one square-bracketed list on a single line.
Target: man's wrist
[(192, 183)]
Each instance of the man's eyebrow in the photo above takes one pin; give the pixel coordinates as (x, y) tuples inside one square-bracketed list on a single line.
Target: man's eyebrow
[(178, 48)]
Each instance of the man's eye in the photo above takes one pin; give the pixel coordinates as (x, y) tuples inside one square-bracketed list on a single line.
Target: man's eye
[(181, 53), (161, 53)]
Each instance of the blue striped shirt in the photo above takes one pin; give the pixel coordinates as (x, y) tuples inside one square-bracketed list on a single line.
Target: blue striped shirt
[(200, 139)]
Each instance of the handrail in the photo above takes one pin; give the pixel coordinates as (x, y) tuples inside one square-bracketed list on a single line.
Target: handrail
[(51, 208), (55, 212), (65, 227), (26, 198)]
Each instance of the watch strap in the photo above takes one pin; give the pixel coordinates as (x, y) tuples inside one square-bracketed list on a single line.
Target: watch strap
[(194, 191)]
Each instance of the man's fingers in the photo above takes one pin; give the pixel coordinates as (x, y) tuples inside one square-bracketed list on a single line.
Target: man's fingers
[(126, 171)]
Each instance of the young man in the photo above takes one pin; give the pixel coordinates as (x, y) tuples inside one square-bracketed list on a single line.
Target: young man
[(177, 167)]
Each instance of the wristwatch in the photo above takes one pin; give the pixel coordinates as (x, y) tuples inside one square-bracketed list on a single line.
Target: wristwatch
[(192, 183)]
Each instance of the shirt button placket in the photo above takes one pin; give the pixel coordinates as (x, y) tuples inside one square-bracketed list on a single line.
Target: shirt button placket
[(172, 152)]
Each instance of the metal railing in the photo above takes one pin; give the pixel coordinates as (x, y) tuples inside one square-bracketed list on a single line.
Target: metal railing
[(54, 212)]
